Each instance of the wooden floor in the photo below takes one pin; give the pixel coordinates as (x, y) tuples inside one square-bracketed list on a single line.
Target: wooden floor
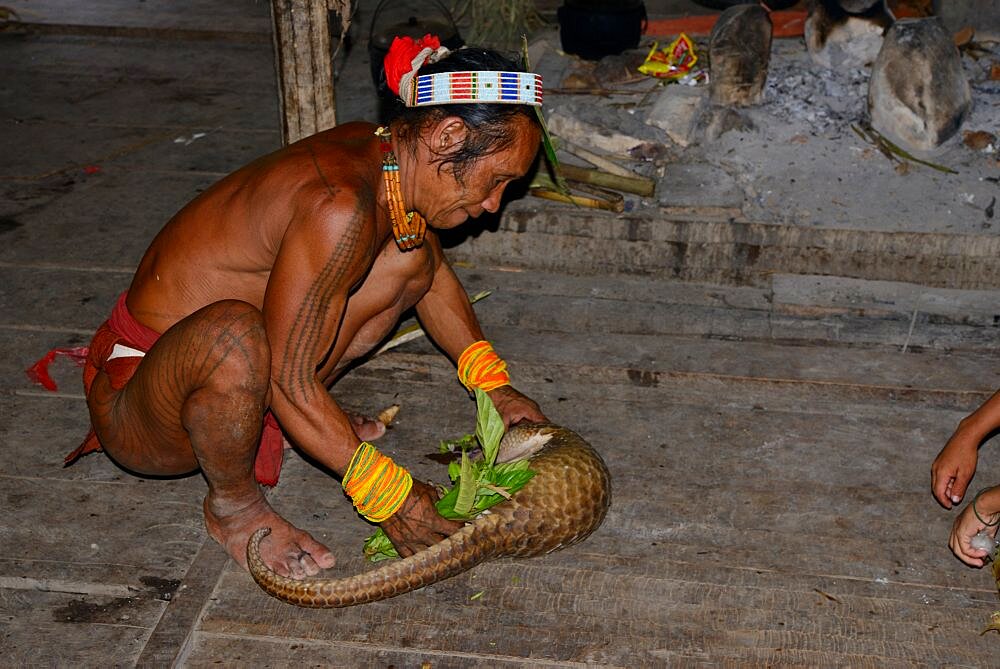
[(770, 462)]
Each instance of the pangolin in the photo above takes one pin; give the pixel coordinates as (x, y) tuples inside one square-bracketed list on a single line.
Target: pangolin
[(562, 504)]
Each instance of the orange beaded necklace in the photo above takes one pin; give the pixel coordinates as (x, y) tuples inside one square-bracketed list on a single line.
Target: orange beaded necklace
[(408, 227)]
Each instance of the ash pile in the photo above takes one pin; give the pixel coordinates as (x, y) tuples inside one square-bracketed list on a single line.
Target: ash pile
[(868, 90)]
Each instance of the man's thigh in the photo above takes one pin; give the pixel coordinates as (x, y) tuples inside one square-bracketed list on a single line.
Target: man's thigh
[(141, 425)]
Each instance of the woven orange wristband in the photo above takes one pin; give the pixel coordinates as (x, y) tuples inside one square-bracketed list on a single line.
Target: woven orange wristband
[(376, 484), (479, 366)]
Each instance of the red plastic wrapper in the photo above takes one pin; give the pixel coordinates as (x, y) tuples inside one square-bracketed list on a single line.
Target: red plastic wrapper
[(674, 62)]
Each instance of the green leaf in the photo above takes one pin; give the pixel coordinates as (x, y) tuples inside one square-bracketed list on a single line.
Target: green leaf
[(514, 479), (466, 487), (378, 547), (489, 426), (465, 443), (547, 140), (446, 506), (516, 465), (479, 484)]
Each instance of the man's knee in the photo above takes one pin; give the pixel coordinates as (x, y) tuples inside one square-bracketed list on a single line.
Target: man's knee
[(234, 345)]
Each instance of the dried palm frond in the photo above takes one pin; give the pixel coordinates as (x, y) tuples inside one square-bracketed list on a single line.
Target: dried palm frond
[(498, 24)]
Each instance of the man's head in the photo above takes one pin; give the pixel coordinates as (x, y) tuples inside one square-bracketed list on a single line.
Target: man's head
[(444, 199), (490, 128)]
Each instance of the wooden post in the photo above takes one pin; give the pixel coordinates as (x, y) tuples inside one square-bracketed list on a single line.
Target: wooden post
[(304, 64)]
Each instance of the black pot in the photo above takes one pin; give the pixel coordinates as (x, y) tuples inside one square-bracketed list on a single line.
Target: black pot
[(726, 4), (393, 18), (593, 29)]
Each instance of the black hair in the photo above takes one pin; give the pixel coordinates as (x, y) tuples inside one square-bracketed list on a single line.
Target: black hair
[(490, 125)]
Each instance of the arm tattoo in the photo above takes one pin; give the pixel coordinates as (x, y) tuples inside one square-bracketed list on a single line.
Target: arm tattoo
[(299, 362)]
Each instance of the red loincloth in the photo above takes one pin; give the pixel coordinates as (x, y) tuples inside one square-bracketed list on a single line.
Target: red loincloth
[(122, 328)]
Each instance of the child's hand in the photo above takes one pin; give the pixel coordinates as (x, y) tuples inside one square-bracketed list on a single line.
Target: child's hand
[(966, 526), (954, 467)]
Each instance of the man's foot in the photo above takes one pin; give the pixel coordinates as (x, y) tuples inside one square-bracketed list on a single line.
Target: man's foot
[(367, 429), (287, 550)]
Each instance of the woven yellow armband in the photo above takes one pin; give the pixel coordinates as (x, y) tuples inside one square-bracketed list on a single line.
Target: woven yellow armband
[(375, 483), (479, 366)]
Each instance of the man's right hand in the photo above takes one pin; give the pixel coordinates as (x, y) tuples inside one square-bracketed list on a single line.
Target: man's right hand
[(955, 466), (417, 525)]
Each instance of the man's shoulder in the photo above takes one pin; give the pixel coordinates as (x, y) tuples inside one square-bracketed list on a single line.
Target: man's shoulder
[(327, 207), (349, 129), (323, 175)]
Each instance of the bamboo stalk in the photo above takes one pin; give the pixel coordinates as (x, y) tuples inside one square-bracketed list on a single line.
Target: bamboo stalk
[(594, 159), (616, 206), (643, 186)]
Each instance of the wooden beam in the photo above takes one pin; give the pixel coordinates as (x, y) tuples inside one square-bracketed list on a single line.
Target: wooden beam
[(304, 66)]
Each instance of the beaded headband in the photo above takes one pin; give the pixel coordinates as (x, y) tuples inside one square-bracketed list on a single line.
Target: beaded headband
[(406, 56), (518, 88)]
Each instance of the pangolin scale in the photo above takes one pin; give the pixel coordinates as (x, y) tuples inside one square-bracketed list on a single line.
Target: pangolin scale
[(562, 504)]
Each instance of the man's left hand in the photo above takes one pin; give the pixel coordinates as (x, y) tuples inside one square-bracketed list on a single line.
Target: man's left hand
[(417, 525), (515, 407)]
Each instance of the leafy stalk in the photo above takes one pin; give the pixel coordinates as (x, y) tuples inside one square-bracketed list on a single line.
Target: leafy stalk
[(479, 484), (489, 427), (466, 487)]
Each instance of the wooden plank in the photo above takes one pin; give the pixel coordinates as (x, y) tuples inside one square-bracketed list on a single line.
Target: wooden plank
[(171, 638), (144, 32), (732, 251), (875, 298), (749, 537), (170, 106), (79, 228), (688, 384), (349, 654), (671, 329), (205, 150), (304, 65), (52, 629), (167, 83), (48, 160), (114, 531), (635, 603), (83, 304), (242, 15)]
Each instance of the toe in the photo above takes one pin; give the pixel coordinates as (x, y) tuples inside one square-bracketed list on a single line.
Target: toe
[(309, 565), (281, 569), (318, 553), (295, 568)]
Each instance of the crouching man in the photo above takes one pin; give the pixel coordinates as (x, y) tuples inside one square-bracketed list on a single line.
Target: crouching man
[(254, 297)]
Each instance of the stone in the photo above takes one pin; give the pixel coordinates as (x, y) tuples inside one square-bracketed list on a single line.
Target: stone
[(858, 6), (717, 120), (982, 15), (693, 185), (676, 112), (838, 39), (918, 95), (739, 51), (589, 135)]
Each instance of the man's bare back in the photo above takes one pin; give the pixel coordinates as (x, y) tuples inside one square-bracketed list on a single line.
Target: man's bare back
[(224, 243)]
